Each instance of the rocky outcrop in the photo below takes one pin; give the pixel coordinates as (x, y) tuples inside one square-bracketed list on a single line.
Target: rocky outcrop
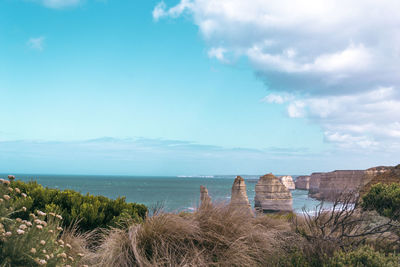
[(329, 185), (302, 182), (239, 200), (288, 182), (315, 179), (384, 175), (205, 199), (272, 195)]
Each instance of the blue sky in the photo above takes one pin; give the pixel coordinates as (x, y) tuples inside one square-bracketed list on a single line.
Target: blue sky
[(192, 87)]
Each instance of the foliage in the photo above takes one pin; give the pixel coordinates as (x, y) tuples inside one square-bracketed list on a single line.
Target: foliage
[(363, 256), (385, 199), (90, 212), (34, 241)]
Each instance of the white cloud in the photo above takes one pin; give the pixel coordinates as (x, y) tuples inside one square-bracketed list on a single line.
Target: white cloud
[(340, 58), (36, 43), (367, 119), (218, 53)]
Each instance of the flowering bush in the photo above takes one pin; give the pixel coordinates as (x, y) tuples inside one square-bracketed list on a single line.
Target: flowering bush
[(90, 212), (33, 241)]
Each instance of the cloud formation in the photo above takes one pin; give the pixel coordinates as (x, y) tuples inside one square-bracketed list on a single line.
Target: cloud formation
[(336, 63), (36, 43)]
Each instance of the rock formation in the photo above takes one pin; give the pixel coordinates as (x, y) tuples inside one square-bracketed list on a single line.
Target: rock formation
[(303, 182), (315, 179), (288, 182), (205, 199), (272, 195), (239, 200), (329, 185), (384, 175)]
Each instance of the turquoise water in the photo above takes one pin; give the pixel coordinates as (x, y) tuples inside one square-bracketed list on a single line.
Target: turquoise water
[(177, 193)]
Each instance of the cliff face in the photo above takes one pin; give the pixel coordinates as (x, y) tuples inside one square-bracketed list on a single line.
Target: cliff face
[(288, 182), (239, 200), (205, 199), (315, 180), (384, 175), (302, 183), (328, 186), (272, 195)]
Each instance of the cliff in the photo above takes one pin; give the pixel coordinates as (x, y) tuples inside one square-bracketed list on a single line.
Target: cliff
[(302, 183), (239, 199), (272, 195), (329, 185), (288, 182), (385, 175)]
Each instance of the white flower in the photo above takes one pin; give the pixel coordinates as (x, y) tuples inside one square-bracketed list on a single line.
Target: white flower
[(23, 226), (59, 217), (33, 250), (29, 223), (68, 246), (41, 213), (42, 262), (24, 208), (42, 242), (17, 190), (6, 197), (8, 234), (18, 220), (20, 232), (59, 228), (24, 195), (39, 227)]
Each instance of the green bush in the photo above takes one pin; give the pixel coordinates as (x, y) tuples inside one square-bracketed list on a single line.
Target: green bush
[(34, 241), (89, 211), (385, 199), (363, 256)]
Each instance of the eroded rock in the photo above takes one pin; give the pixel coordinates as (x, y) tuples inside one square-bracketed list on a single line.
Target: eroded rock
[(302, 182), (288, 182), (272, 195), (239, 199)]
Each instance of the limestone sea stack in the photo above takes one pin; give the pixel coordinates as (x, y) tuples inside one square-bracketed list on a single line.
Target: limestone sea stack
[(288, 182), (239, 200), (205, 199), (302, 182), (272, 195)]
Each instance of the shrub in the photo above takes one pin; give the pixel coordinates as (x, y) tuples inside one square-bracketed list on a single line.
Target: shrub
[(385, 199), (31, 242), (363, 256), (88, 211), (213, 236)]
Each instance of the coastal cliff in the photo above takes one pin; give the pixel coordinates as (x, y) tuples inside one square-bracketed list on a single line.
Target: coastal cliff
[(302, 183), (385, 175), (272, 195), (288, 182), (239, 199), (329, 185)]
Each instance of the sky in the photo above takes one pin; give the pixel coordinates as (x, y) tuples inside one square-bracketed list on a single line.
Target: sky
[(198, 87)]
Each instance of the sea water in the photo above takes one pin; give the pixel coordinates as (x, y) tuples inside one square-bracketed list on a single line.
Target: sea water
[(175, 193)]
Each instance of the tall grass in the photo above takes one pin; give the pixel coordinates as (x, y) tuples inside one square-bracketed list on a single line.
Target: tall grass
[(212, 236)]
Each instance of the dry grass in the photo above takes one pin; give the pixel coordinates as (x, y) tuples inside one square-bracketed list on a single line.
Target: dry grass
[(212, 236)]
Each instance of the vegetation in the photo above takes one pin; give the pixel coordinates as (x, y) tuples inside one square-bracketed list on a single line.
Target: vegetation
[(90, 212), (385, 199), (34, 241), (363, 256), (213, 235)]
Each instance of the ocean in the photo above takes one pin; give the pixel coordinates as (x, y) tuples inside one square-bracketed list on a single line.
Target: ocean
[(175, 193)]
